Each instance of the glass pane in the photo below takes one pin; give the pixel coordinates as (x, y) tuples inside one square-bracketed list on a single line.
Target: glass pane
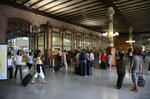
[(67, 42), (12, 25), (41, 48), (40, 39), (57, 41)]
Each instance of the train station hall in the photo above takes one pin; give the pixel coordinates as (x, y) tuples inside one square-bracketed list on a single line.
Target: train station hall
[(74, 49)]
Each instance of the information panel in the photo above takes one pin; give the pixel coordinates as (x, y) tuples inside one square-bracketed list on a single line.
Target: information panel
[(3, 62)]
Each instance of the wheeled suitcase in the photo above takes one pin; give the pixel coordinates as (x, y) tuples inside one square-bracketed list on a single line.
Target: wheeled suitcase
[(58, 66), (77, 70), (26, 80), (141, 80)]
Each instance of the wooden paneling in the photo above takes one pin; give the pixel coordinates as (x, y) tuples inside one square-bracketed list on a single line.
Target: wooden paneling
[(120, 43)]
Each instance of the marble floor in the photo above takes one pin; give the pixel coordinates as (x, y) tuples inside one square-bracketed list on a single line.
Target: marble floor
[(67, 85)]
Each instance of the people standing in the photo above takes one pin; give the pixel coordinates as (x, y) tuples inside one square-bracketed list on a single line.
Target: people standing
[(77, 59), (83, 62), (103, 61), (38, 69), (90, 62), (59, 55), (120, 71), (10, 66), (64, 60), (109, 61), (91, 56), (18, 63), (30, 61), (135, 69)]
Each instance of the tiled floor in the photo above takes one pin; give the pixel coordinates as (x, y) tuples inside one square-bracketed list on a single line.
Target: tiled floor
[(66, 85)]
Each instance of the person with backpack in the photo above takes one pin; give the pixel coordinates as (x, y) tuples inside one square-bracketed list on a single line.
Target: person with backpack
[(83, 63)]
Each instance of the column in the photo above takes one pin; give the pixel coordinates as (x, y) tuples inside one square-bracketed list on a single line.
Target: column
[(130, 37), (111, 12)]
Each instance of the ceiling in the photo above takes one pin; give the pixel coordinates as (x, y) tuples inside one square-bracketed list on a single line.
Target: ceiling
[(93, 14)]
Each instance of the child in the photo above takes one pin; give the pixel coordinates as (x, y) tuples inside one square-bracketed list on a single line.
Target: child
[(10, 66)]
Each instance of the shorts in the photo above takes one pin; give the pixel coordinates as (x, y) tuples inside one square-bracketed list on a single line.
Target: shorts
[(135, 77)]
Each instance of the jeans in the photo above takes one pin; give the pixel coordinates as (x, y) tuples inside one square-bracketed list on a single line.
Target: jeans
[(65, 63), (10, 69), (120, 79), (20, 69), (83, 68)]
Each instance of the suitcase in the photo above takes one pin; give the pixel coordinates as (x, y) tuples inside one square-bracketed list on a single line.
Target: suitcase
[(58, 66), (141, 80), (77, 70), (26, 80)]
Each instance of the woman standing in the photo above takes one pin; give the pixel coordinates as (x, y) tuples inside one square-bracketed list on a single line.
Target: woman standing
[(64, 60), (38, 69), (10, 66), (109, 61), (18, 63), (103, 61), (30, 61)]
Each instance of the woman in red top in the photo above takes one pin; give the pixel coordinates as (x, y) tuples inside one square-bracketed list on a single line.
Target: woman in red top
[(103, 60)]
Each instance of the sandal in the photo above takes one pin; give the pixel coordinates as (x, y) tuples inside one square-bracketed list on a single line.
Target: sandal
[(134, 89), (44, 82), (32, 82)]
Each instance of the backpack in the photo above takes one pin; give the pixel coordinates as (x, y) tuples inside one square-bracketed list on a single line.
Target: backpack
[(82, 56)]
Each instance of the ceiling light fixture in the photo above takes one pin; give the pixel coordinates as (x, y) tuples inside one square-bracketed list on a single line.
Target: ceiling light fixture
[(106, 34)]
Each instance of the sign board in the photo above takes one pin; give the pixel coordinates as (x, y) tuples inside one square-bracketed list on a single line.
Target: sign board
[(3, 62)]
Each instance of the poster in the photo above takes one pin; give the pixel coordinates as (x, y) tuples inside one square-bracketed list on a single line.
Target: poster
[(3, 62)]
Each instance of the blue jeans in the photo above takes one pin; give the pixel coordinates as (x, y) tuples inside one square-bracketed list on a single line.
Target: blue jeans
[(83, 68)]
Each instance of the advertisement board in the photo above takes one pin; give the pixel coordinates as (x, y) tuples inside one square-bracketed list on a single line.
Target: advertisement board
[(3, 62)]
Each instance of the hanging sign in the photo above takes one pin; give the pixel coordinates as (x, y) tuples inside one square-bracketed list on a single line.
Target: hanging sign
[(3, 62)]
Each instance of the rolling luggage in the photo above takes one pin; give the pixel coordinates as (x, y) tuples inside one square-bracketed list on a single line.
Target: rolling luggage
[(26, 80), (58, 66), (76, 70), (141, 80)]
